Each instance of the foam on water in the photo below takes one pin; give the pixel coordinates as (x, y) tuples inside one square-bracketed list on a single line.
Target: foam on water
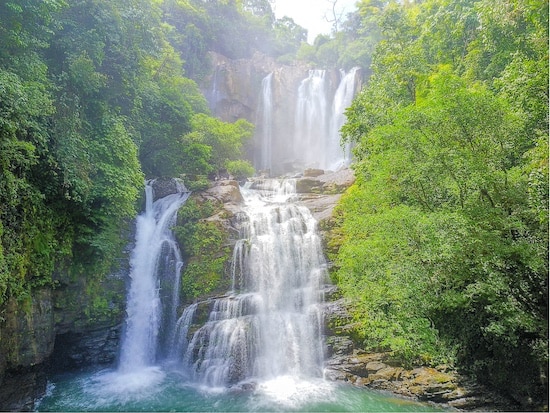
[(133, 385), (293, 393)]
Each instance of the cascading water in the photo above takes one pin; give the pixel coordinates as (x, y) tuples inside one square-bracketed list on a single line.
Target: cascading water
[(319, 118), (270, 324), (265, 124), (214, 95), (262, 339), (311, 120), (335, 155), (155, 261), (267, 330)]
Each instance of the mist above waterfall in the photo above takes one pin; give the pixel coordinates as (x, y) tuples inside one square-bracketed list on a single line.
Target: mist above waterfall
[(297, 111), (318, 114)]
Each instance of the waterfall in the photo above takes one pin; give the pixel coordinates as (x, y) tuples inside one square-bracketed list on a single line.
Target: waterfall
[(153, 297), (311, 121), (265, 123), (214, 95), (270, 324), (335, 155), (319, 117)]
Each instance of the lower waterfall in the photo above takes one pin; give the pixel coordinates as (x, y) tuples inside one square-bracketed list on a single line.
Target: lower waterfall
[(261, 347), (155, 261), (270, 324)]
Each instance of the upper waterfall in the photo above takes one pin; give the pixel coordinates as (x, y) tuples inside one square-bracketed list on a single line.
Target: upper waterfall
[(302, 130), (297, 111), (265, 124), (311, 125), (319, 117)]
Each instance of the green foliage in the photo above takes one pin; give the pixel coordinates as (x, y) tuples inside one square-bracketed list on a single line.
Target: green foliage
[(226, 141), (443, 241), (203, 276), (288, 36), (203, 245), (235, 29), (352, 45), (240, 169), (27, 226)]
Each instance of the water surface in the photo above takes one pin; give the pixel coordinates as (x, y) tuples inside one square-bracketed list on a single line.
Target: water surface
[(157, 389)]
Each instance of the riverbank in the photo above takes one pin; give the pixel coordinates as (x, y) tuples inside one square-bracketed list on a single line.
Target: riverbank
[(440, 385)]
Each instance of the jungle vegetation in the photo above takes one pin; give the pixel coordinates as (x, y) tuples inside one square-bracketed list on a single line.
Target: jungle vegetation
[(443, 240), (441, 246), (96, 96)]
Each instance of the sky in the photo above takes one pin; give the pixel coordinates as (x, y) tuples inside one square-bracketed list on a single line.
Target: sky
[(310, 14)]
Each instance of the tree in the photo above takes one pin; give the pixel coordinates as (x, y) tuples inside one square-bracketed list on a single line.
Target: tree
[(29, 241), (226, 140), (447, 224)]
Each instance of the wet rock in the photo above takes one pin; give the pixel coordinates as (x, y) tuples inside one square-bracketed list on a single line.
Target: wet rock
[(321, 206), (226, 192), (338, 181), (167, 186), (326, 182), (321, 193), (312, 172), (74, 350), (308, 185), (26, 341), (26, 332), (373, 367), (227, 197), (339, 345), (21, 387), (347, 362), (245, 387)]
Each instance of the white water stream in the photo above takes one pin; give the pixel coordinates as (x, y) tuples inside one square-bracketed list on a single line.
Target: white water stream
[(314, 141), (265, 126), (155, 259), (270, 324)]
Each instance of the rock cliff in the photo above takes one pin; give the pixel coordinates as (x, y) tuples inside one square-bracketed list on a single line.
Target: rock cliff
[(26, 341), (442, 385), (235, 90)]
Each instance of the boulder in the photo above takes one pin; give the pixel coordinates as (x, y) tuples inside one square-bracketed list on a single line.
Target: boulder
[(226, 192), (312, 172), (167, 186)]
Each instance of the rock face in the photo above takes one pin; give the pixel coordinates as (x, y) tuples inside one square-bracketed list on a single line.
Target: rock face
[(236, 90), (166, 186), (227, 195), (60, 328), (321, 193), (232, 90), (442, 385), (26, 341)]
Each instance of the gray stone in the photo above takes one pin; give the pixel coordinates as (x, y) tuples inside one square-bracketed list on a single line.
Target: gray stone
[(26, 341), (163, 187)]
